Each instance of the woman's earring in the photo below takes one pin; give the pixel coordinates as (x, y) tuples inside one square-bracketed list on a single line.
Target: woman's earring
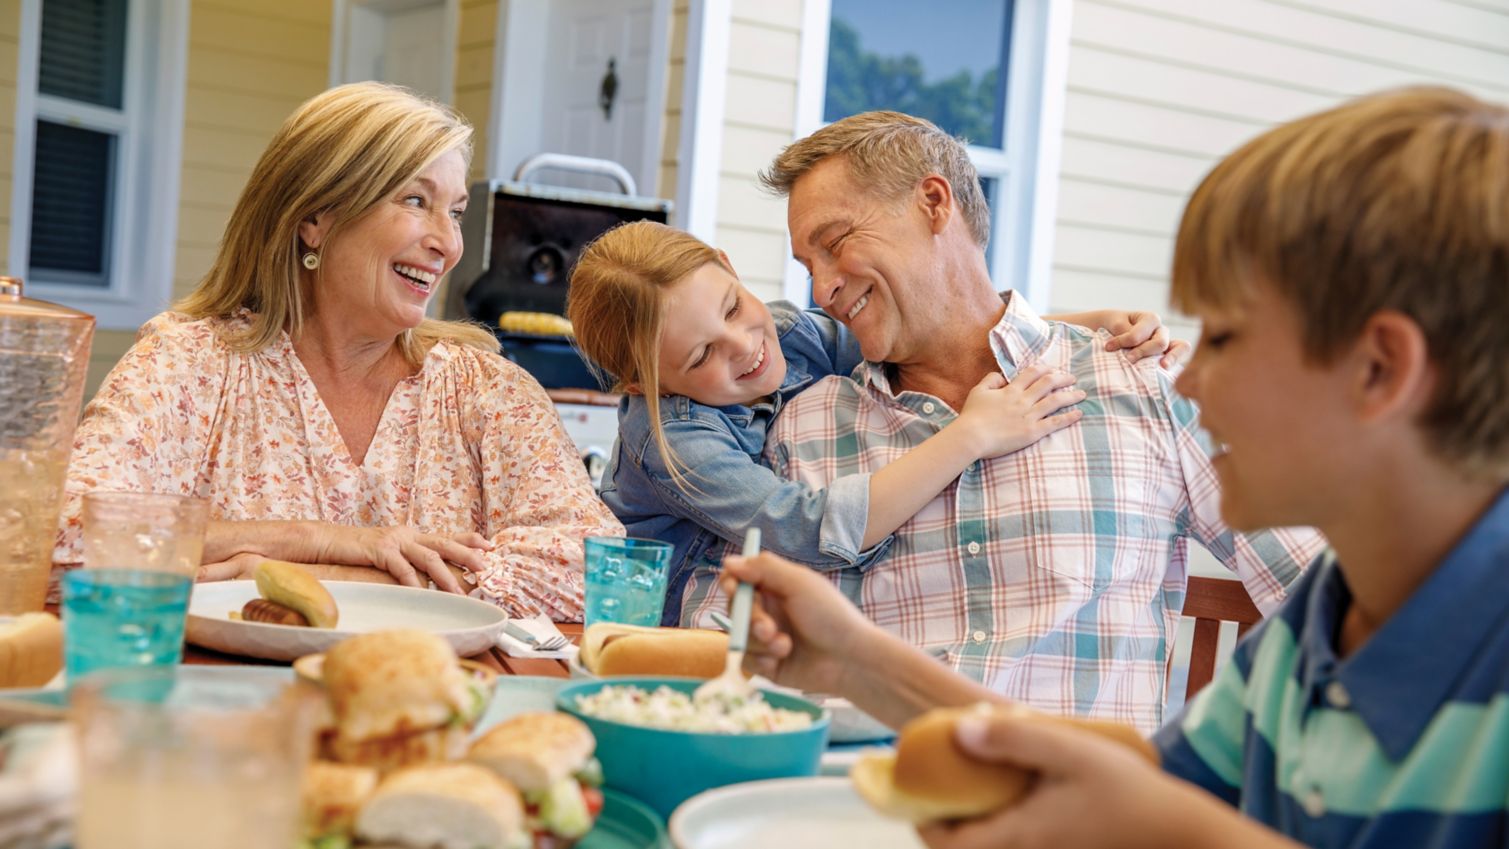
[(311, 260)]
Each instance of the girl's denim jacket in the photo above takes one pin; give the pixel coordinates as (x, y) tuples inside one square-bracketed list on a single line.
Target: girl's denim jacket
[(721, 451)]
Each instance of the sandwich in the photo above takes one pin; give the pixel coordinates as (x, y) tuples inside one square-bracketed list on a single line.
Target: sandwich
[(928, 778), (397, 698), (290, 596), (443, 806), (610, 649), (548, 756)]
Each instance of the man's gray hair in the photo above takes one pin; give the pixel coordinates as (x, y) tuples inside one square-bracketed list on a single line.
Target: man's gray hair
[(890, 153)]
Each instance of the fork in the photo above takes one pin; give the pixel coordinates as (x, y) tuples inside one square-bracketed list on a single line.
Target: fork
[(732, 682), (554, 642)]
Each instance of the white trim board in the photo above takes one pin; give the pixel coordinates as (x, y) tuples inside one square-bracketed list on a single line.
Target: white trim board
[(700, 152)]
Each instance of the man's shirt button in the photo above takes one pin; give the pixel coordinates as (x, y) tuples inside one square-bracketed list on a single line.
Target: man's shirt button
[(1314, 803), (1338, 696), (928, 407), (974, 548), (979, 636)]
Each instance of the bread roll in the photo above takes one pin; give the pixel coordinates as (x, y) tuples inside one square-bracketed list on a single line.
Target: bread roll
[(534, 750), (610, 649), (451, 806), (295, 589), (31, 650), (929, 778)]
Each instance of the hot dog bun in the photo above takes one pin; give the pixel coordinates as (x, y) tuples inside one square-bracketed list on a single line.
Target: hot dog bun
[(288, 585), (31, 650), (610, 649), (929, 778)]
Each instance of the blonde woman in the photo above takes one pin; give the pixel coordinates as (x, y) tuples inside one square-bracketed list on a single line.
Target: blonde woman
[(301, 389)]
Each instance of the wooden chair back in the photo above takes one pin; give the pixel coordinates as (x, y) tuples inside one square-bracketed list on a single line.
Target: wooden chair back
[(1211, 601)]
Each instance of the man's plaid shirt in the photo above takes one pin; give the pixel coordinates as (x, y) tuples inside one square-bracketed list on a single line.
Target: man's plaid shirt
[(1054, 575)]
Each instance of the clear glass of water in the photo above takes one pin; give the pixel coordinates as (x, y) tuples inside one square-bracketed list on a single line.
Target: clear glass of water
[(626, 579), (128, 605), (191, 757)]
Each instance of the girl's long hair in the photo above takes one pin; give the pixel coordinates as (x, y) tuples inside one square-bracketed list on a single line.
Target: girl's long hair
[(616, 304)]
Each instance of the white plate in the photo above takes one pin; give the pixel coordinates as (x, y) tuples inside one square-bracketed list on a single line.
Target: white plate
[(468, 624), (792, 813)]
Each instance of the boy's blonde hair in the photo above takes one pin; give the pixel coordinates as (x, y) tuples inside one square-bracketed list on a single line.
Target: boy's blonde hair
[(889, 152), (1397, 201), (343, 152), (616, 303)]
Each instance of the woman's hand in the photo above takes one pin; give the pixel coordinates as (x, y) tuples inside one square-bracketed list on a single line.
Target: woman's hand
[(236, 568), (412, 557), (1142, 334), (999, 418), (802, 631), (1090, 792)]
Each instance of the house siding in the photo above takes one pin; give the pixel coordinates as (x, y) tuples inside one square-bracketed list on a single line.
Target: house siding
[(759, 119), (1159, 90)]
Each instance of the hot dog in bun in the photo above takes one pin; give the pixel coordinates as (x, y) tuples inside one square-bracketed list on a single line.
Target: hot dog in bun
[(610, 649), (929, 778)]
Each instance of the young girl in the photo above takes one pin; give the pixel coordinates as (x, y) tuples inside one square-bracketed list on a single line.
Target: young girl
[(705, 367)]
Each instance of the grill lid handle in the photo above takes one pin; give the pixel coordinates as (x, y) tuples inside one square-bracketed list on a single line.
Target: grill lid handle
[(580, 164)]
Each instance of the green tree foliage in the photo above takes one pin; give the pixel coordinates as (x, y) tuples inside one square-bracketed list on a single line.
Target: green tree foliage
[(859, 80)]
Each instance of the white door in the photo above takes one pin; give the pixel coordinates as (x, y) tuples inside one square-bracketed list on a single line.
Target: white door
[(408, 42), (586, 36)]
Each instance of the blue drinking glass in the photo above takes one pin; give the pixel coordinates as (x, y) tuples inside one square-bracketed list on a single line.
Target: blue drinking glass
[(626, 579), (123, 617)]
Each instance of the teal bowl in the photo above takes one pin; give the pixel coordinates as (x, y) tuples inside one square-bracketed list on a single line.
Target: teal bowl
[(664, 768)]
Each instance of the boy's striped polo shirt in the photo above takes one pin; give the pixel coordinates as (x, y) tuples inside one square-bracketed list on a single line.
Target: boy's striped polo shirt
[(1405, 743)]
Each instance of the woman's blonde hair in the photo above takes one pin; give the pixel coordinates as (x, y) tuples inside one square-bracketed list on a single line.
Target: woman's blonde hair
[(616, 303), (1397, 201), (343, 152)]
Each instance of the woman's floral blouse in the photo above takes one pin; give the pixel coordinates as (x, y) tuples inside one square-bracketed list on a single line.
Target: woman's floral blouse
[(469, 443)]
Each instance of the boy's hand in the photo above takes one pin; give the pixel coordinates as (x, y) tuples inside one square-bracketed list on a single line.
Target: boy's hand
[(1090, 792), (802, 631), (1142, 334), (999, 418)]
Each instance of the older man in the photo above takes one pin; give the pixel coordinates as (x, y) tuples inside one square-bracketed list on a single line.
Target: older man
[(1053, 575)]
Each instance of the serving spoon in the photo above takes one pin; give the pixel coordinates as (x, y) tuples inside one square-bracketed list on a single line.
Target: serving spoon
[(732, 682)]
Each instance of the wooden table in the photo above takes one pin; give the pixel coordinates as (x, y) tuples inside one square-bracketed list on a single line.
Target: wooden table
[(492, 657)]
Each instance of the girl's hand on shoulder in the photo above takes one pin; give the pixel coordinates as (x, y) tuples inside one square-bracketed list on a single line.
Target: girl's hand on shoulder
[(1002, 417), (1142, 334)]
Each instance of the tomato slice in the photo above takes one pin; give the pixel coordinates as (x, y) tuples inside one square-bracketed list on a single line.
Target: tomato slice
[(594, 800)]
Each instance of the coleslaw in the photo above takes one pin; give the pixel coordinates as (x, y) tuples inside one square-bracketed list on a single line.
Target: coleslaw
[(674, 710)]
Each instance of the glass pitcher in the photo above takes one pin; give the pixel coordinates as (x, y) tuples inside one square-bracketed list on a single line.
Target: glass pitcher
[(44, 356)]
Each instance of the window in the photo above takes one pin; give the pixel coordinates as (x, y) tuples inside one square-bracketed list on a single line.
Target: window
[(99, 118), (982, 70)]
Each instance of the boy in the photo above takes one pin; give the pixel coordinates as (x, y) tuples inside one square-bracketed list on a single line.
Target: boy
[(1351, 270)]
